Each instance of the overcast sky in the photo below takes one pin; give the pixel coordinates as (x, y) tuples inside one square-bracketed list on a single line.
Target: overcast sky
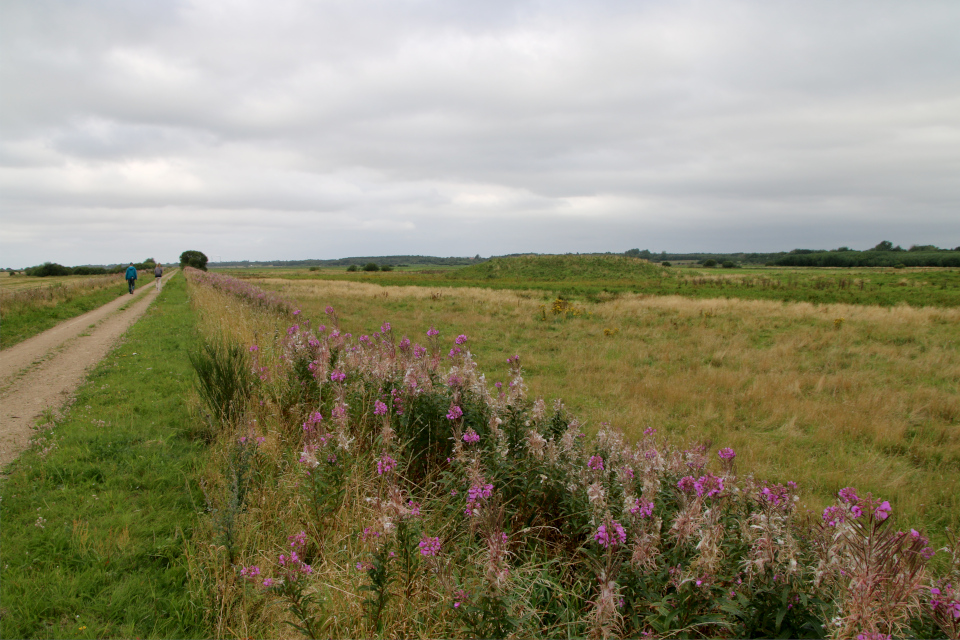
[(322, 129)]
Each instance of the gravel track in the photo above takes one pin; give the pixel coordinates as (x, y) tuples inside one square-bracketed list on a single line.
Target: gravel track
[(42, 372)]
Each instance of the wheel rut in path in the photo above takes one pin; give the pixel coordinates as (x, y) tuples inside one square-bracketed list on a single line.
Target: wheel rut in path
[(42, 372)]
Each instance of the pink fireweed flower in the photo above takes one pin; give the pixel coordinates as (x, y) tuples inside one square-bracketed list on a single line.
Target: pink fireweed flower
[(856, 511), (296, 312), (404, 343), (454, 413), (649, 431), (298, 540), (292, 330), (418, 351), (432, 332), (429, 546), (471, 436), (414, 508), (642, 508), (386, 464), (833, 516), (595, 463), (338, 376), (328, 310), (268, 582), (610, 536), (686, 484), (461, 339), (727, 453), (254, 347), (454, 380), (313, 419), (848, 495), (883, 511), (250, 572), (454, 353), (778, 495), (708, 486), (379, 408), (475, 494), (385, 327)]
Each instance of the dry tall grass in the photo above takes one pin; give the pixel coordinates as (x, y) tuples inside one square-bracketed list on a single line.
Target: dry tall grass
[(826, 395), (22, 293)]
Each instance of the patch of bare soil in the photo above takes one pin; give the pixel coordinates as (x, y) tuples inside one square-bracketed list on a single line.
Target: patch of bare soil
[(42, 372)]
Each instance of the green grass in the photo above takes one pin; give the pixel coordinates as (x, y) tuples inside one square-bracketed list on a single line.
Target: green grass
[(25, 323), (596, 278), (113, 498)]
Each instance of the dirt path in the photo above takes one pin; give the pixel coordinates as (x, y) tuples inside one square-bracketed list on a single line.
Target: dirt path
[(43, 371)]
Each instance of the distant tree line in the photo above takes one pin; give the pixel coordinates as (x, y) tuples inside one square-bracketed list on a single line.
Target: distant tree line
[(884, 254), (54, 269)]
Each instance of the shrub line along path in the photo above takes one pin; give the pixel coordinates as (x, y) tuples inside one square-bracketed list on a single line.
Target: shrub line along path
[(42, 372)]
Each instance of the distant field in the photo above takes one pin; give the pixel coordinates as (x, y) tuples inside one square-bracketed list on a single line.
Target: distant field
[(826, 395), (30, 305), (592, 278)]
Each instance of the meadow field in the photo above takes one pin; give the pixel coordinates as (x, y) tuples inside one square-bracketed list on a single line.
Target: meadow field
[(350, 458), (810, 393), (364, 483), (30, 305), (592, 277)]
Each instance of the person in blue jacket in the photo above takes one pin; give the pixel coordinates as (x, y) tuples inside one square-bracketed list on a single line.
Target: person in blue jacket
[(131, 277)]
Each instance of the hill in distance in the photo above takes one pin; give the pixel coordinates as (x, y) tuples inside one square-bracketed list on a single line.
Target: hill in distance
[(560, 267)]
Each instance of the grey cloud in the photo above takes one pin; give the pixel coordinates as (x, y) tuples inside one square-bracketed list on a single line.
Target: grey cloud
[(614, 119)]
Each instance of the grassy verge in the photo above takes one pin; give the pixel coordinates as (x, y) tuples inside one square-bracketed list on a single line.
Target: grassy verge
[(29, 320), (97, 514)]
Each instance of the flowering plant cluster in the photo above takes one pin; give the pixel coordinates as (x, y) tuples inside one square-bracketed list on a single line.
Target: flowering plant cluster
[(501, 506)]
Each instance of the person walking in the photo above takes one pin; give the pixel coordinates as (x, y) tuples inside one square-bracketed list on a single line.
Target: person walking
[(131, 277), (158, 276)]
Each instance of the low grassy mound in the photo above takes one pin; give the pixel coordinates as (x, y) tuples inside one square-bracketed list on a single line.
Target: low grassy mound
[(561, 267)]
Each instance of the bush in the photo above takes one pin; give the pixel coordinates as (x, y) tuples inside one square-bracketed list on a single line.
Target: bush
[(48, 269), (195, 259), (314, 268), (665, 264), (710, 263), (729, 264), (386, 267), (352, 268), (89, 271), (371, 266)]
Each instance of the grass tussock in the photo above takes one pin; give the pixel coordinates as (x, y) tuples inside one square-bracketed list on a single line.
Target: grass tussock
[(380, 486)]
